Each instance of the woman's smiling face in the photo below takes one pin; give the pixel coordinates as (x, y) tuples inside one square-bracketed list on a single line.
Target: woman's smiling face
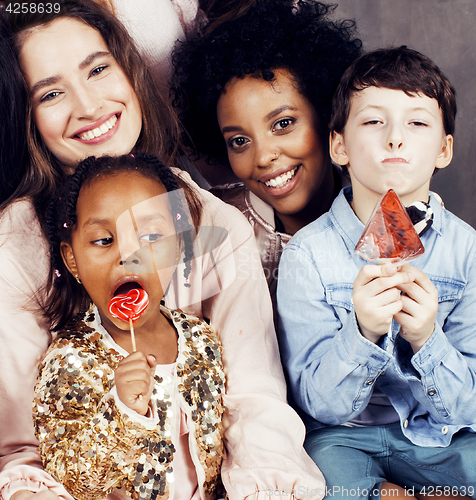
[(274, 147), (82, 102)]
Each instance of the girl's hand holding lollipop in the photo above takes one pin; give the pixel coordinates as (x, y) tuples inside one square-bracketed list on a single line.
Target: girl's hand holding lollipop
[(135, 374)]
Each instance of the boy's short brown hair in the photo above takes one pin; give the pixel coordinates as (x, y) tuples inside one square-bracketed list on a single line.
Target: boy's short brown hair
[(398, 68)]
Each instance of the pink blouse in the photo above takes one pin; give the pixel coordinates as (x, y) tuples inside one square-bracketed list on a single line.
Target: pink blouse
[(263, 435)]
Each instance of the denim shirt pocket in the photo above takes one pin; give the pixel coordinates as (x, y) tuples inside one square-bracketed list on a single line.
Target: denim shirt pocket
[(449, 293), (339, 296)]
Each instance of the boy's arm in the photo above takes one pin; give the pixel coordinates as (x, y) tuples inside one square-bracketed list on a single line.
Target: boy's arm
[(330, 364), (442, 373), (86, 441)]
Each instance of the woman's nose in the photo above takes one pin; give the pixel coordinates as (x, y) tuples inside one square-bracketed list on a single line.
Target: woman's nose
[(88, 103), (265, 154)]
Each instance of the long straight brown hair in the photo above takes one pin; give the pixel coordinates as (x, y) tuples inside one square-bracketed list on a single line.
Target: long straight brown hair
[(160, 127)]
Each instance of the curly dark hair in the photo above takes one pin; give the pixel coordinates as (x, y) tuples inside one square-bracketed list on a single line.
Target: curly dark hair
[(269, 35), (67, 296)]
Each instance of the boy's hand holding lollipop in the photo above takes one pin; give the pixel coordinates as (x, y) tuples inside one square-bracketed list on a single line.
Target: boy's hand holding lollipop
[(393, 289)]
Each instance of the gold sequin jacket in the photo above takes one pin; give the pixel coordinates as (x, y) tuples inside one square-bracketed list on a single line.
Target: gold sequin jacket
[(91, 445)]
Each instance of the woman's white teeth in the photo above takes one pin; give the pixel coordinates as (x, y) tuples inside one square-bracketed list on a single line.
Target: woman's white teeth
[(102, 129), (282, 179)]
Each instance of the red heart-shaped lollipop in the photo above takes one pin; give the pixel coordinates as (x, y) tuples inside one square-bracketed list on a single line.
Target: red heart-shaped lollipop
[(129, 306)]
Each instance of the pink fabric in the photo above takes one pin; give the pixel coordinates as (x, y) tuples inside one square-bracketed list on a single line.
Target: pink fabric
[(155, 26), (186, 483), (263, 434)]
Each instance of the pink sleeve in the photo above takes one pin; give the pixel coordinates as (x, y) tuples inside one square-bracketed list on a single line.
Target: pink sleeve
[(23, 339), (263, 434)]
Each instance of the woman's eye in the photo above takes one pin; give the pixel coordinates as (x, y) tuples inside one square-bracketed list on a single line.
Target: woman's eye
[(50, 96), (237, 142), (151, 238), (418, 123), (98, 70), (102, 242), (283, 124)]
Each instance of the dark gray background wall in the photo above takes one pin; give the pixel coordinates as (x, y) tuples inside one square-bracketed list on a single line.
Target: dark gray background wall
[(445, 31)]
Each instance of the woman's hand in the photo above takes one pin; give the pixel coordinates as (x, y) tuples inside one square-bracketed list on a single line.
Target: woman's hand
[(377, 298), (135, 381)]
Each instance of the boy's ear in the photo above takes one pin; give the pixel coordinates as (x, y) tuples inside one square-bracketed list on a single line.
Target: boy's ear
[(337, 149), (446, 154), (68, 258)]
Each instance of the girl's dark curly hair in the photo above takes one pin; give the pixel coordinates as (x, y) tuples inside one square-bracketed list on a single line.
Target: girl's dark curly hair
[(269, 35), (66, 296)]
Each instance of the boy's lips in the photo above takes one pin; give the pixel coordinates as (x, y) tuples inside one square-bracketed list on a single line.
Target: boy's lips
[(394, 160)]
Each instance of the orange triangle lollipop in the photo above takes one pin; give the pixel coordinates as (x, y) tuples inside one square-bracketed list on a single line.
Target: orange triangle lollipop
[(389, 235)]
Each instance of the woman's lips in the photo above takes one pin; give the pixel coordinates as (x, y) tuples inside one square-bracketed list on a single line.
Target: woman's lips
[(100, 131), (282, 183)]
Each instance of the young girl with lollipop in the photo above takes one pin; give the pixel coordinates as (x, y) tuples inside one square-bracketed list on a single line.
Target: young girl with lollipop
[(108, 416)]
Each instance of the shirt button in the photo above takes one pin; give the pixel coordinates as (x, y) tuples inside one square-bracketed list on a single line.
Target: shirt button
[(444, 429), (369, 382), (405, 424), (431, 392)]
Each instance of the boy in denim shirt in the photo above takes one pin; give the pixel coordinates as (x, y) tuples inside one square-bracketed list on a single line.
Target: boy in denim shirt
[(391, 413)]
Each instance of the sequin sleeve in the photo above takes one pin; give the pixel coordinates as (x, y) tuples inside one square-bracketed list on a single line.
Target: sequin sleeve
[(86, 442)]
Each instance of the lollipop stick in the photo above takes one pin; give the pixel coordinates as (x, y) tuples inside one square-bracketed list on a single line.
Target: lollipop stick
[(134, 347), (133, 337)]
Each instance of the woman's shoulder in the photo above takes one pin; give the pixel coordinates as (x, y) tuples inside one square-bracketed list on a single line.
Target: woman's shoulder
[(19, 216), (216, 212), (24, 251)]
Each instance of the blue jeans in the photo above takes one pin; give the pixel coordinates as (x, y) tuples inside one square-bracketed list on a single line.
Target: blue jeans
[(356, 460)]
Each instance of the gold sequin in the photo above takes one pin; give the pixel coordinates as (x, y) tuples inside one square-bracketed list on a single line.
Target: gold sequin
[(91, 447)]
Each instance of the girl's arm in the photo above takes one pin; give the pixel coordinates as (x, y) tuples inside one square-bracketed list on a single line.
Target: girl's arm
[(86, 441)]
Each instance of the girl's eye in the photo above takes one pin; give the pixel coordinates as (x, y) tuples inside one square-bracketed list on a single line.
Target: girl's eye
[(50, 96), (102, 242), (98, 70), (283, 124), (151, 238), (418, 123), (237, 142)]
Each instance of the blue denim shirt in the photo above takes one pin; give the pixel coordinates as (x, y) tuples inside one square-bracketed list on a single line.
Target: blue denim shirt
[(333, 369)]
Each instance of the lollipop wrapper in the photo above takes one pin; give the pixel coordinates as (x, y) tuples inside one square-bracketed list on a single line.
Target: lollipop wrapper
[(129, 306), (389, 235)]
